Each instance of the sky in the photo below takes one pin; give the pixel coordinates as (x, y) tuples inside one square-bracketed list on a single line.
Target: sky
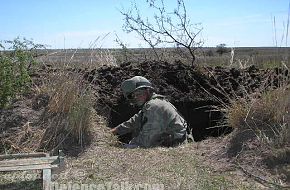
[(96, 23)]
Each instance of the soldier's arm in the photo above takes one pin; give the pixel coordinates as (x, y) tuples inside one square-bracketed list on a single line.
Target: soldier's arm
[(152, 128), (128, 126)]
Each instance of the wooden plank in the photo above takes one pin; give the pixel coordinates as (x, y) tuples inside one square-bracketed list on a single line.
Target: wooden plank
[(23, 155), (29, 167), (36, 163), (31, 161), (46, 179)]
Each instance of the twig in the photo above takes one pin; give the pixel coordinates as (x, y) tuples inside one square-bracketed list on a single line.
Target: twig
[(260, 179)]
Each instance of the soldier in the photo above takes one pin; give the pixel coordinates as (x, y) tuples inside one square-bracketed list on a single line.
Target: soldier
[(158, 123)]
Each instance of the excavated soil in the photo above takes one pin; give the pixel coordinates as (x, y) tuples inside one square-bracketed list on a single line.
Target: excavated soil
[(200, 94)]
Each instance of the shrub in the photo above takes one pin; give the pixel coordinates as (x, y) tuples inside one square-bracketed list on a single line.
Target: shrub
[(15, 65), (221, 49)]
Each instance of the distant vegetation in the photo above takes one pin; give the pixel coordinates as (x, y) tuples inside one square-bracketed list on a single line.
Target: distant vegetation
[(261, 57), (221, 49)]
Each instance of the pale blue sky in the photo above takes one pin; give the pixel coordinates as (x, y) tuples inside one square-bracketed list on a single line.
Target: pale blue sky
[(78, 23)]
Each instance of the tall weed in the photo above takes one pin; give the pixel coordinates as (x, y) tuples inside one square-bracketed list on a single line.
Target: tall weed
[(69, 112)]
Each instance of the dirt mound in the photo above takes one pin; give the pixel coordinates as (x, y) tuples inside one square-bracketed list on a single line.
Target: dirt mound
[(198, 93)]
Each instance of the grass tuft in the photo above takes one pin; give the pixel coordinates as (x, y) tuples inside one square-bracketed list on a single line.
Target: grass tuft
[(69, 113), (268, 117)]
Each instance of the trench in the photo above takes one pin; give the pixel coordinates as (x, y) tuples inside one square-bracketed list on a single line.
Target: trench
[(203, 118), (195, 93)]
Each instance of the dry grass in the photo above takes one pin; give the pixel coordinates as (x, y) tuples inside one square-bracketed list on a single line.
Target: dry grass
[(68, 115), (174, 168), (80, 58), (268, 117), (63, 123), (24, 139), (69, 112), (261, 141)]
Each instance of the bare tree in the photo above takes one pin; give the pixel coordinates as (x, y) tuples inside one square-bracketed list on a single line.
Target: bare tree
[(166, 28)]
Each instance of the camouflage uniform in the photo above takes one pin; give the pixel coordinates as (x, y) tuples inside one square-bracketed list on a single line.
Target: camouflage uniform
[(157, 124)]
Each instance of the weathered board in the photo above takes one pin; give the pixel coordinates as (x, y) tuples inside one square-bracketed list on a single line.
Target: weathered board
[(32, 161), (23, 155)]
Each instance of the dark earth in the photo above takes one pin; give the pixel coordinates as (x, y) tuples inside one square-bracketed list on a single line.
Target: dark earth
[(200, 94)]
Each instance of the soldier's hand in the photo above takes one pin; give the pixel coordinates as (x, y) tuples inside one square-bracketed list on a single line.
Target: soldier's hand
[(114, 131)]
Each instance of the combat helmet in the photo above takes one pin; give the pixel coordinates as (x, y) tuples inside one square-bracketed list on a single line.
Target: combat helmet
[(133, 84)]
